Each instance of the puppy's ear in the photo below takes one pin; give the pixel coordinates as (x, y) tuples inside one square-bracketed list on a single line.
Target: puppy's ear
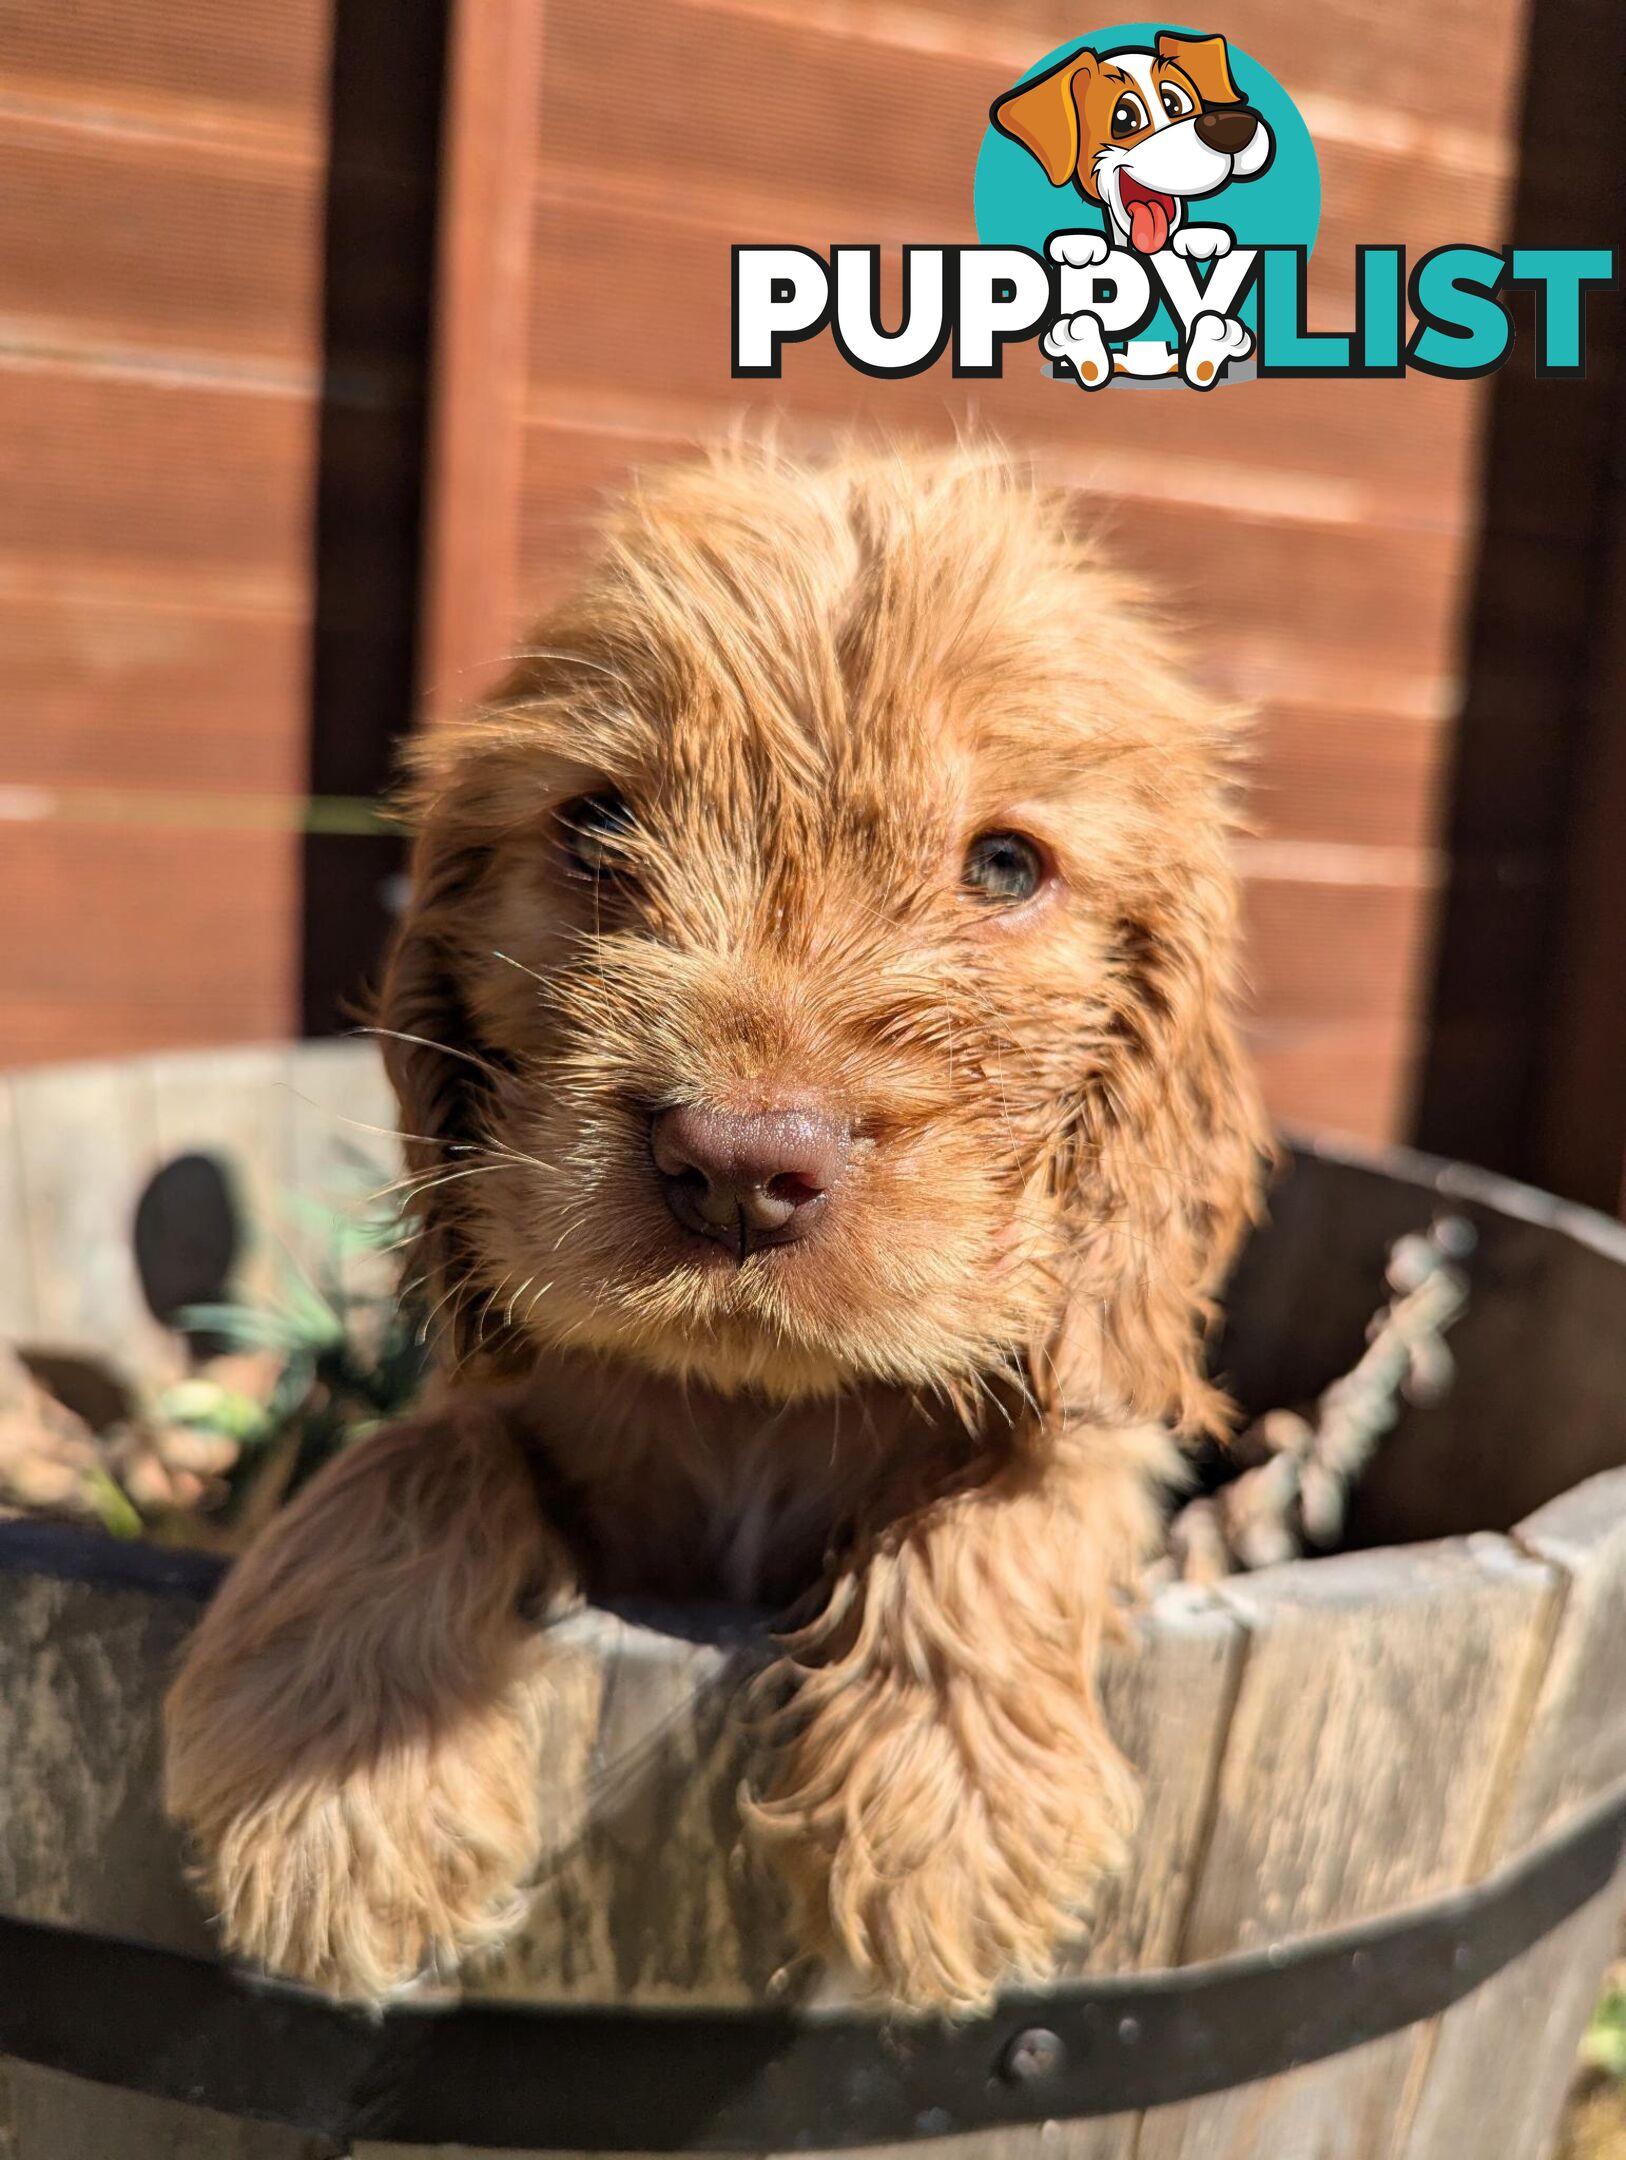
[(1206, 60), (1043, 116), (442, 1074), (1169, 1176)]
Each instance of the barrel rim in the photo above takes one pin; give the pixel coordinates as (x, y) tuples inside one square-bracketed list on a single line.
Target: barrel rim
[(485, 2075)]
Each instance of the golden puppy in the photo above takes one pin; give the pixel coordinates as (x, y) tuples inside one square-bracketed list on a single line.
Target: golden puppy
[(813, 1026)]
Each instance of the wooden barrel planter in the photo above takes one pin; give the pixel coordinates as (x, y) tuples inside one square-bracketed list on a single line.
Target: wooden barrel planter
[(1378, 1879)]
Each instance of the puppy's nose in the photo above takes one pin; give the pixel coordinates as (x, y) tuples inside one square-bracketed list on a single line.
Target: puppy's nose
[(748, 1178), (1228, 130)]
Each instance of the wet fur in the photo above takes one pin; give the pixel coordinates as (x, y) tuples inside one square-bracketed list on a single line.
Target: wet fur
[(934, 1432)]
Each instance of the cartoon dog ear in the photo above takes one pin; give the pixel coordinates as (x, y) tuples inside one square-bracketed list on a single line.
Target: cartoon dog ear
[(1206, 60), (1042, 116)]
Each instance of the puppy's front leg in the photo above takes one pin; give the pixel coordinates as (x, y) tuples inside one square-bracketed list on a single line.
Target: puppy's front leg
[(353, 1738), (946, 1792)]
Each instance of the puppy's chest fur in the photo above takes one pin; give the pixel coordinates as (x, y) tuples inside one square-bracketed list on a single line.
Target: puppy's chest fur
[(679, 1493)]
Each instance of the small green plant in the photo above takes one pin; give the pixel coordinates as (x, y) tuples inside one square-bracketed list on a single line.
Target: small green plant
[(310, 1348), (323, 1357), (1604, 2048)]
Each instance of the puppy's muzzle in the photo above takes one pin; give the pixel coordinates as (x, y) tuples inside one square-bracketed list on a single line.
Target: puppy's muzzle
[(1228, 131), (748, 1178)]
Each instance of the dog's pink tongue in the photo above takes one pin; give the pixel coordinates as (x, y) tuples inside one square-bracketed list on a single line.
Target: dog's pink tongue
[(1148, 226)]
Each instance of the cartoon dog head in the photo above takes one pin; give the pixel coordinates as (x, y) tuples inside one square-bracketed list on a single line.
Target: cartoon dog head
[(1140, 132)]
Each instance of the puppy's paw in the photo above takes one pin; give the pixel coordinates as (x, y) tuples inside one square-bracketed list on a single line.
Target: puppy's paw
[(1214, 340), (1078, 250), (1202, 243), (1081, 342), (362, 1883), (942, 1860)]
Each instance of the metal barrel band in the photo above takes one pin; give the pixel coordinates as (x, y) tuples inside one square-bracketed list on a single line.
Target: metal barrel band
[(616, 2080)]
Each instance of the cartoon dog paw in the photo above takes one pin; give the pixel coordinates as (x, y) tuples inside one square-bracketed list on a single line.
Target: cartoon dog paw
[(1079, 250), (1202, 243), (1215, 339), (1081, 342)]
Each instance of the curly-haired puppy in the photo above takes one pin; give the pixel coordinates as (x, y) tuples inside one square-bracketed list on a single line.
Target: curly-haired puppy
[(813, 1029)]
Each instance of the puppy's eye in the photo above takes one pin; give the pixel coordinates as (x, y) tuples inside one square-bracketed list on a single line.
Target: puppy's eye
[(1003, 866), (593, 831), (1175, 101), (1128, 115)]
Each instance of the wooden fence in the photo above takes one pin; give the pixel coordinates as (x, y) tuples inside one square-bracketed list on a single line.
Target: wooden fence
[(239, 532)]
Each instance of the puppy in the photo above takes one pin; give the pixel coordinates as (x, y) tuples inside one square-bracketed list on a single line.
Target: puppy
[(1142, 133), (813, 1034)]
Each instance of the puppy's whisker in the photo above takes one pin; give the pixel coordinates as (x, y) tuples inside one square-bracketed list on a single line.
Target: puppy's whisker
[(518, 1159), (454, 1177), (509, 961), (489, 1297), (417, 1181), (536, 1299), (386, 1132), (425, 1042), (426, 1326)]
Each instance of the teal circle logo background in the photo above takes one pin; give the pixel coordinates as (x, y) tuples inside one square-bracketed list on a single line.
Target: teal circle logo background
[(1016, 206)]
